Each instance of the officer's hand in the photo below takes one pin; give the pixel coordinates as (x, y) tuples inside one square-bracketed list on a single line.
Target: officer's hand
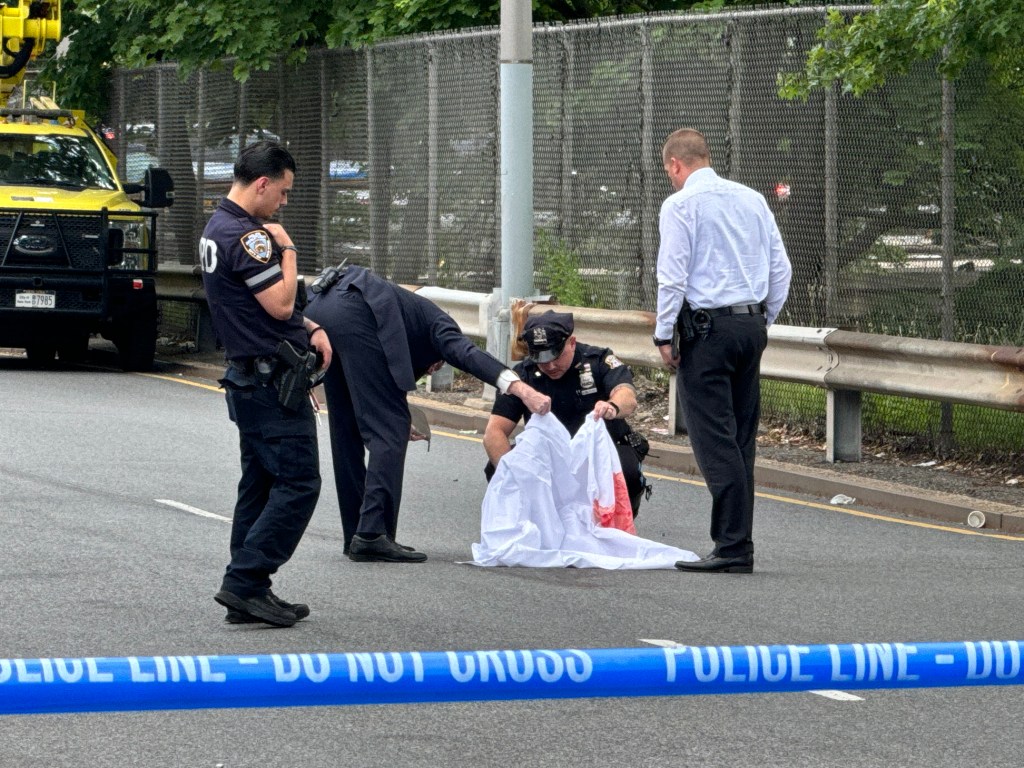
[(532, 399), (415, 436), (605, 410), (322, 344), (277, 232), (671, 361)]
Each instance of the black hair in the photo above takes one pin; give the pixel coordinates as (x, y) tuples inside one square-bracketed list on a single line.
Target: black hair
[(264, 158)]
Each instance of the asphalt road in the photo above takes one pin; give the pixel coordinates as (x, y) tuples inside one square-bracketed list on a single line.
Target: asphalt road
[(94, 561)]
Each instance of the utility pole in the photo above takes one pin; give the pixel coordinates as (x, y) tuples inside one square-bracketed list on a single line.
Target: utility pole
[(516, 80), (516, 137)]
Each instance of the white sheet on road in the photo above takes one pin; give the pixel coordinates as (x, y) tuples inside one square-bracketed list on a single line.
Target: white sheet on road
[(539, 509)]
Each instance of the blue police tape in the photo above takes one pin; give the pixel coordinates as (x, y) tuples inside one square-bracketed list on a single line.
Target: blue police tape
[(310, 679)]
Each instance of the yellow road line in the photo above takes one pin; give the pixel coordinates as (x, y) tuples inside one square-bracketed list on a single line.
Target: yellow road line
[(686, 481), (814, 504), (178, 380)]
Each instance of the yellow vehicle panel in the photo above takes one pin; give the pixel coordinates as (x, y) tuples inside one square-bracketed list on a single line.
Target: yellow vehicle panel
[(53, 165)]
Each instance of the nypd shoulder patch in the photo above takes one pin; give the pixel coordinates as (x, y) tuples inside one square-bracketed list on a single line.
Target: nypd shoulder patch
[(257, 245), (612, 361)]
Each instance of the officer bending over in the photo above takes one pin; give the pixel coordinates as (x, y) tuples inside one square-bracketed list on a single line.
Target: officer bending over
[(249, 274), (581, 380), (386, 338)]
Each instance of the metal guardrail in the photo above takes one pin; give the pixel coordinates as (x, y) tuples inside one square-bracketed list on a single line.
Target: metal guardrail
[(844, 363), (470, 310), (179, 282)]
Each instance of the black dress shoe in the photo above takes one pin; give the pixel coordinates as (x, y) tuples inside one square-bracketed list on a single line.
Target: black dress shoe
[(717, 564), (301, 611), (262, 608), (382, 549), (348, 548)]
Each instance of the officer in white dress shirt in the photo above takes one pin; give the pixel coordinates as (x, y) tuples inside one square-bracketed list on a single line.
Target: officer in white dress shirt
[(723, 276)]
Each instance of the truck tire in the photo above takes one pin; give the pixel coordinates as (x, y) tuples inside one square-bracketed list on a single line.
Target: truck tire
[(41, 352), (73, 349), (136, 342)]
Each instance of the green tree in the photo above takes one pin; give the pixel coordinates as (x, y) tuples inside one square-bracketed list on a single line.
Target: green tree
[(863, 51), (978, 44), (256, 34)]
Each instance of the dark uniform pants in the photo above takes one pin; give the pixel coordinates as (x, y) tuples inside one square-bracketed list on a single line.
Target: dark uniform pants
[(279, 487), (719, 375), (369, 420)]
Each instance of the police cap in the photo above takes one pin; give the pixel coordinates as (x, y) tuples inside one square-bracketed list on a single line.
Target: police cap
[(545, 335)]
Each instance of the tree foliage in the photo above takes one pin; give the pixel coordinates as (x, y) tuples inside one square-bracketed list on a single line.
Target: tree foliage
[(257, 34), (863, 51)]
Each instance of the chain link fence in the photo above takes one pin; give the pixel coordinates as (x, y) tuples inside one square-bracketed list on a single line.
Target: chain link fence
[(398, 158)]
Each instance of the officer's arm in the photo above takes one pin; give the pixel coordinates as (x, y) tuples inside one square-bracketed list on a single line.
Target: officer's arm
[(278, 299), (496, 437), (623, 397)]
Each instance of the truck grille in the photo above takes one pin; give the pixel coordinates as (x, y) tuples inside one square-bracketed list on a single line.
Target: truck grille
[(44, 240)]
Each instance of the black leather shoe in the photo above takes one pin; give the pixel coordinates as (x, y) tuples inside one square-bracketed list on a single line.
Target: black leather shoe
[(263, 608), (716, 564), (348, 548), (382, 549), (301, 611)]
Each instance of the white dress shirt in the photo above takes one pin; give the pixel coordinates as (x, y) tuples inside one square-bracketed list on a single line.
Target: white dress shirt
[(720, 247)]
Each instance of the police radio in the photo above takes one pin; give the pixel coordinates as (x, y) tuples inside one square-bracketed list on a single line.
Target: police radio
[(327, 278)]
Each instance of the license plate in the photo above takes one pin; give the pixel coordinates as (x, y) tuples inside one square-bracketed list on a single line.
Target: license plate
[(35, 299)]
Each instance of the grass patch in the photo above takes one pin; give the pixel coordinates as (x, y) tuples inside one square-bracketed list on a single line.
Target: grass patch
[(905, 423)]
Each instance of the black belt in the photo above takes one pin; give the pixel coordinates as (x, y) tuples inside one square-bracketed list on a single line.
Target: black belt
[(737, 309), (252, 366)]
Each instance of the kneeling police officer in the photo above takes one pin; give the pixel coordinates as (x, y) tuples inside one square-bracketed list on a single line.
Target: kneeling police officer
[(581, 380)]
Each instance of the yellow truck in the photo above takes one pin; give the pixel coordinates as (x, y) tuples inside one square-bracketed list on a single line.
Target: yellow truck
[(77, 255)]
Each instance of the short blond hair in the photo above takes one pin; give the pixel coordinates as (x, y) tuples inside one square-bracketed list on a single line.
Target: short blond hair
[(688, 147)]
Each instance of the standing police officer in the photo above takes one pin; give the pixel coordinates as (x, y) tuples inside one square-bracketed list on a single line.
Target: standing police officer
[(582, 380), (386, 338), (250, 277)]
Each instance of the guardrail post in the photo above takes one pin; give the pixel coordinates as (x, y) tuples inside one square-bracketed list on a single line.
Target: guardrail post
[(441, 381), (498, 331), (676, 417), (206, 337), (843, 425)]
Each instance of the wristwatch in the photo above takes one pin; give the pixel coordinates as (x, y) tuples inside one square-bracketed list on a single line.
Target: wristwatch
[(661, 342)]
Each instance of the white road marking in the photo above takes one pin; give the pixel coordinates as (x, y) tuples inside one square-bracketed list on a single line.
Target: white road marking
[(662, 643), (192, 510), (835, 695)]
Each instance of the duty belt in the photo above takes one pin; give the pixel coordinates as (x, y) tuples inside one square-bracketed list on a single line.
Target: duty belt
[(737, 309), (261, 367)]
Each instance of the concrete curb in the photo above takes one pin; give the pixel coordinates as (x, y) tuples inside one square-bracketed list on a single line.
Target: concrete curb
[(821, 483)]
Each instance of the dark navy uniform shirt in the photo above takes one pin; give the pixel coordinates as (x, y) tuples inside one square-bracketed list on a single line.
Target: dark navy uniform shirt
[(594, 373), (414, 332), (239, 260)]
